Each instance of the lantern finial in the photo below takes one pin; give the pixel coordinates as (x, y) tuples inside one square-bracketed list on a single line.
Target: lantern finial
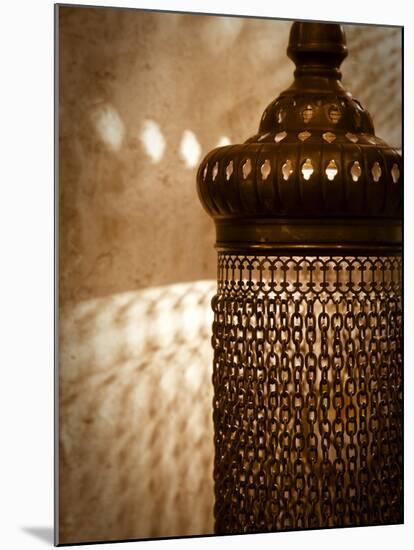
[(317, 49)]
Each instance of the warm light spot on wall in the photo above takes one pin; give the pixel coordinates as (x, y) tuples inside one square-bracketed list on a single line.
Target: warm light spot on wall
[(153, 140), (223, 141), (109, 126), (190, 149)]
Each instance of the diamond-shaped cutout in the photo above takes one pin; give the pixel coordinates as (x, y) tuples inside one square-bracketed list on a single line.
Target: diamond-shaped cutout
[(329, 137), (303, 136), (352, 137)]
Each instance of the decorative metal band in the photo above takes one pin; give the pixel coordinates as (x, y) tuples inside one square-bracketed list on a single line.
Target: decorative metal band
[(307, 392), (252, 233), (302, 180), (303, 277)]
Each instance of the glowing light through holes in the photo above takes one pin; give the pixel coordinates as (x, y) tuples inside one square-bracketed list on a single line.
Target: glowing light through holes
[(246, 168), (265, 169), (356, 171), (280, 136), (395, 173), (229, 170), (307, 114), (329, 137), (190, 149), (287, 170), (331, 170), (215, 171), (376, 171), (153, 140), (307, 169), (303, 136)]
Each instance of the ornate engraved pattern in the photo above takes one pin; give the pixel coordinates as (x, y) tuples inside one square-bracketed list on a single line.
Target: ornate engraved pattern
[(307, 392)]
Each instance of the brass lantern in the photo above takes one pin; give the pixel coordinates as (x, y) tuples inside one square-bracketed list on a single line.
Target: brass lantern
[(307, 328)]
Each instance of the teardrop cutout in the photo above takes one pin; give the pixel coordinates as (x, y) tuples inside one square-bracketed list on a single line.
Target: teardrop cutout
[(376, 171), (334, 114), (331, 170), (287, 170), (307, 114), (395, 172), (246, 168), (356, 171), (229, 170), (215, 171), (265, 169), (307, 169)]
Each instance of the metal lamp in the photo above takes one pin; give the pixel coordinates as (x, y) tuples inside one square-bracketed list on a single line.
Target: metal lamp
[(307, 328)]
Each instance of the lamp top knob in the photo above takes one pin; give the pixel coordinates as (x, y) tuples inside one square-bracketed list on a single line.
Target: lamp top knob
[(317, 48)]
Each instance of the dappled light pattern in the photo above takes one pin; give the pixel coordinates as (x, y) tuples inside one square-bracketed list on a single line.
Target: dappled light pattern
[(152, 140), (109, 126), (190, 149), (136, 440)]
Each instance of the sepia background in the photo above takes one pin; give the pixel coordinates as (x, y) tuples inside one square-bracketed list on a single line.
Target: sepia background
[(143, 96)]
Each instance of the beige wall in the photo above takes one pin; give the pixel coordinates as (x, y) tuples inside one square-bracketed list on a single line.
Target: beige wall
[(135, 435)]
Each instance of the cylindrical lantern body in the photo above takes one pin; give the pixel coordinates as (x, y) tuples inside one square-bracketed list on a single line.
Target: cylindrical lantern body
[(307, 382), (307, 329)]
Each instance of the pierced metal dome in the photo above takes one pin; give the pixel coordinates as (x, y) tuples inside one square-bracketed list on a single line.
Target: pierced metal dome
[(315, 174)]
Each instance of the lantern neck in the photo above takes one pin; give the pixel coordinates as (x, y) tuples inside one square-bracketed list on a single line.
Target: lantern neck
[(317, 49), (323, 84)]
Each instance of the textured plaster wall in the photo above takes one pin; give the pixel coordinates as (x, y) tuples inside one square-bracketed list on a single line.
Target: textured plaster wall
[(142, 97)]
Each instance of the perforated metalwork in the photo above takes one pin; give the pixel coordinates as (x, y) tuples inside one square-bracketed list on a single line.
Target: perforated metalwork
[(307, 392)]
